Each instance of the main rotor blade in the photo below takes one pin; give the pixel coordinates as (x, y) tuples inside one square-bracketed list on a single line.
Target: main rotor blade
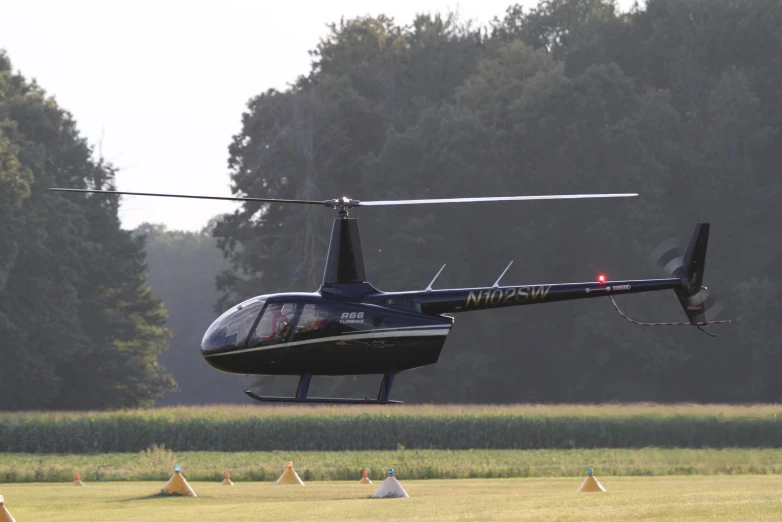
[(477, 200), (261, 200)]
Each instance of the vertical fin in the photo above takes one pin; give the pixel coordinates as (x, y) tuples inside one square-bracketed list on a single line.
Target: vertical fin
[(691, 295), (695, 258)]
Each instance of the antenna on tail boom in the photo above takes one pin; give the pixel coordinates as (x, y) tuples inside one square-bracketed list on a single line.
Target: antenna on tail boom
[(429, 288), (497, 282)]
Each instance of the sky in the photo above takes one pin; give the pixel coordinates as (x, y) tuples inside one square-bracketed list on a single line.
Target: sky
[(158, 87)]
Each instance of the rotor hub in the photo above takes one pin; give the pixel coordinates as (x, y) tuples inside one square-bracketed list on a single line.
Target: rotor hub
[(343, 204)]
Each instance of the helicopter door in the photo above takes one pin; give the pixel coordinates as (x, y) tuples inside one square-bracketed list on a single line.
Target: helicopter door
[(275, 325), (313, 323), (320, 320)]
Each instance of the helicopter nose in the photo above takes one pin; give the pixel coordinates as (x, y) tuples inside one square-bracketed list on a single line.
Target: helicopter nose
[(230, 331)]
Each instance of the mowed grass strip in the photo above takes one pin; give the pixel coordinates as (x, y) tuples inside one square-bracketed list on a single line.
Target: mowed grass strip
[(336, 428), (157, 464), (228, 411), (718, 499)]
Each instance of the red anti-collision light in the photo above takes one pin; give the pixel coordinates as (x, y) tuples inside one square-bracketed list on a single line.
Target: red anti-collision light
[(601, 279)]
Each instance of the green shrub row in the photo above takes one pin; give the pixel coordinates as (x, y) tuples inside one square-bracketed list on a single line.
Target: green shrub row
[(157, 464), (132, 432)]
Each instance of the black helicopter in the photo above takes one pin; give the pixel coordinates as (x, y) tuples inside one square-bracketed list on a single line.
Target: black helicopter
[(348, 327)]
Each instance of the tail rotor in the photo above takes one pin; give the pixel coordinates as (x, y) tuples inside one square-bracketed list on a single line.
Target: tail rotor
[(675, 262), (686, 266)]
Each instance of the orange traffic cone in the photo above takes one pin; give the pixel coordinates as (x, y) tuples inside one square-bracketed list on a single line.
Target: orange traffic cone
[(591, 484), (178, 485), (364, 478), (227, 480), (5, 516), (77, 481), (289, 476)]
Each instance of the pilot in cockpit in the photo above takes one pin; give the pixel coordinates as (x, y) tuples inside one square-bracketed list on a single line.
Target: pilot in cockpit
[(280, 321)]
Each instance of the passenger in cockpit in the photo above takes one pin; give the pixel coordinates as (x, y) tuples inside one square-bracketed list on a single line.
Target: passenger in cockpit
[(278, 316), (314, 318)]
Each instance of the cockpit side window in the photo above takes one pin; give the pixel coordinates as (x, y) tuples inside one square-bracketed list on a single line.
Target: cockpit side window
[(275, 325), (319, 320), (314, 322)]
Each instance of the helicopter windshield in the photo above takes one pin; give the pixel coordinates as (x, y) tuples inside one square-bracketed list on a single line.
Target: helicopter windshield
[(230, 330)]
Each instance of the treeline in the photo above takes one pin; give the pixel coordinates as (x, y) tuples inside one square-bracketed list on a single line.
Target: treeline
[(679, 101), (79, 326), (181, 270)]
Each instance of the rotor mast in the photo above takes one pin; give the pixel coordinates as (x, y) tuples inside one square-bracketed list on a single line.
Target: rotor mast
[(345, 260)]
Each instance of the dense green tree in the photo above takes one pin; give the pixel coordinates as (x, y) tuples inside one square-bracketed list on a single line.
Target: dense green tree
[(79, 327)]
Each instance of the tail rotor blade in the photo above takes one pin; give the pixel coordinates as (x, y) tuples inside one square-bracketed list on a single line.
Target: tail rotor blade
[(698, 298), (674, 265), (711, 303), (668, 255)]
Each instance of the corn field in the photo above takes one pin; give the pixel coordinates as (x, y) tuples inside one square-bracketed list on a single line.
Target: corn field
[(233, 429)]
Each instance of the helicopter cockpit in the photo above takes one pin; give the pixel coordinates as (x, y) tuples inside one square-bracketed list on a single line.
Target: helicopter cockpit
[(260, 322)]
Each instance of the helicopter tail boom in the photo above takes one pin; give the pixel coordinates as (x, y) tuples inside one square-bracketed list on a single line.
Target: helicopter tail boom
[(686, 283), (436, 302)]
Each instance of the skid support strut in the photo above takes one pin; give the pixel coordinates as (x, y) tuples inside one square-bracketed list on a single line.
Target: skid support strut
[(304, 386), (385, 387)]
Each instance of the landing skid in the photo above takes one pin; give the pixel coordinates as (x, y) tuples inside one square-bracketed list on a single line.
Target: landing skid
[(304, 385), (317, 400)]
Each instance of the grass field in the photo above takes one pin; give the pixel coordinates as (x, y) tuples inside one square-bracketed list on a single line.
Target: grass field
[(230, 411), (157, 464), (717, 498)]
